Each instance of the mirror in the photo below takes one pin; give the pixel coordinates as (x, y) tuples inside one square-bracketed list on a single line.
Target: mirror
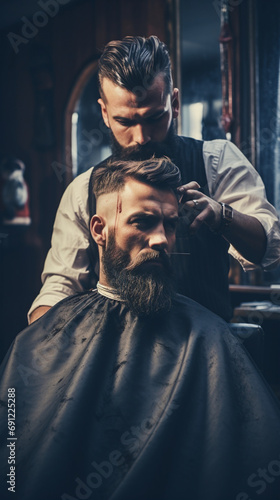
[(87, 137), (201, 89)]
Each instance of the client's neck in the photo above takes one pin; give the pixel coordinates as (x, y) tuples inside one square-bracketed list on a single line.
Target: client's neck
[(108, 291)]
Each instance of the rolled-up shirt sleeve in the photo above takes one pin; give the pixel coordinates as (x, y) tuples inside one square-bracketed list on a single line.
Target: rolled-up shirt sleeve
[(233, 180), (67, 266)]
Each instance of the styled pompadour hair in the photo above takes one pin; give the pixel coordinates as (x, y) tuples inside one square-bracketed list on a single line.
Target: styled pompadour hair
[(134, 62), (160, 173)]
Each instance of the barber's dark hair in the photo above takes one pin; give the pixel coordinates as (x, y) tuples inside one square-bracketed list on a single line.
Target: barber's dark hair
[(158, 172), (134, 62)]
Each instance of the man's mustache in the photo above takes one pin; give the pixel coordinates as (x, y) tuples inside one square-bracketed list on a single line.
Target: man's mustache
[(151, 256), (143, 152)]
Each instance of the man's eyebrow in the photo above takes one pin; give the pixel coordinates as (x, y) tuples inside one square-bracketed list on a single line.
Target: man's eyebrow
[(174, 217), (117, 117), (143, 214), (145, 117)]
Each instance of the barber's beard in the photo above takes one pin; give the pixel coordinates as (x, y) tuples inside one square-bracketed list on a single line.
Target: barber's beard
[(145, 151), (146, 291)]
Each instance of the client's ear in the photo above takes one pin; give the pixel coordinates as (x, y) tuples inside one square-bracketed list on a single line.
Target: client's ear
[(97, 229)]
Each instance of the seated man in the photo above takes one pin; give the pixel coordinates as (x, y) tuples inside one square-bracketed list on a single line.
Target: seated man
[(130, 391)]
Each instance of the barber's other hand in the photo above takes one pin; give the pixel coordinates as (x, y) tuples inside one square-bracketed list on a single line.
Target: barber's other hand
[(202, 208)]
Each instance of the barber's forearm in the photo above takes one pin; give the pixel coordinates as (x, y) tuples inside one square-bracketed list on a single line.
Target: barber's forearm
[(38, 312), (247, 236)]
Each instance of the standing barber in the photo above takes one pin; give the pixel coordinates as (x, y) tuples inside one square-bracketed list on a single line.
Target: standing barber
[(223, 196)]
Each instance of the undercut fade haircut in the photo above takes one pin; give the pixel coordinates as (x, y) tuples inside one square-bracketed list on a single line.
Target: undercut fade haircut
[(134, 62), (160, 173)]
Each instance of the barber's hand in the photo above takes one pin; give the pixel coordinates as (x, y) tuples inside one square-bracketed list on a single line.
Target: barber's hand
[(202, 208)]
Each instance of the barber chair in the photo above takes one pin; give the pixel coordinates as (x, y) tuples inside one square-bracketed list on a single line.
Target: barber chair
[(252, 337)]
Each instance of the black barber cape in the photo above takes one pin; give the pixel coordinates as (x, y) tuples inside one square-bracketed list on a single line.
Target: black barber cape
[(112, 406)]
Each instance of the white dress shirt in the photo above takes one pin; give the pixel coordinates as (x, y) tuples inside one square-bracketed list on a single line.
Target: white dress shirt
[(231, 179)]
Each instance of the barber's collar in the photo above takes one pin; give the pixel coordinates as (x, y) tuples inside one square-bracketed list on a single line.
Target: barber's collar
[(108, 292)]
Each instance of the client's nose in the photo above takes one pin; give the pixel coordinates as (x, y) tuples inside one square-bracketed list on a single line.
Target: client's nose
[(158, 239)]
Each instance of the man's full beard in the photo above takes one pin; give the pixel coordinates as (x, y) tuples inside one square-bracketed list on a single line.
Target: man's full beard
[(146, 291), (145, 151)]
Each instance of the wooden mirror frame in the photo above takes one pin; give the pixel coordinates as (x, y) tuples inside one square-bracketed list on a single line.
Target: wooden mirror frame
[(71, 107)]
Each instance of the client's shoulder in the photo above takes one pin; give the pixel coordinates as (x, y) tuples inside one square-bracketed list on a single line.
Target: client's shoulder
[(193, 311)]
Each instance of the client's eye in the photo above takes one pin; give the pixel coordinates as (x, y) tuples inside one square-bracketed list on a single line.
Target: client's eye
[(143, 223), (171, 225), (126, 123)]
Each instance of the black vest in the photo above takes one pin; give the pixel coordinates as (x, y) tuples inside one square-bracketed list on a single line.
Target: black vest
[(201, 261)]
